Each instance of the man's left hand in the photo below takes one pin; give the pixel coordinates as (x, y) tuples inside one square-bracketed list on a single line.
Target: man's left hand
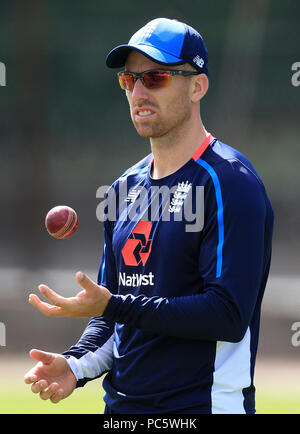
[(92, 301)]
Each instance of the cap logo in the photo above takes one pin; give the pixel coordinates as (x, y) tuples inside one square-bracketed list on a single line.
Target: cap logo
[(148, 30), (199, 61)]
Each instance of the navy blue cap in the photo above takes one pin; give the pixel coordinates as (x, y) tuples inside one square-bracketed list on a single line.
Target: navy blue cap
[(165, 41)]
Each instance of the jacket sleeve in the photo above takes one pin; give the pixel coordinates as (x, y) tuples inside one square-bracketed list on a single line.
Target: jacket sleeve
[(92, 355), (233, 258)]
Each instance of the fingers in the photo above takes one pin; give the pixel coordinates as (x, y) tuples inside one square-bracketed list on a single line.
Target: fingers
[(52, 392), (59, 306), (30, 378), (49, 391), (39, 386), (92, 301), (86, 283), (45, 308), (53, 297), (56, 397), (42, 356)]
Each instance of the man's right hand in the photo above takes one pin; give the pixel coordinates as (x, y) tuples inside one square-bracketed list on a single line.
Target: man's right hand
[(51, 377)]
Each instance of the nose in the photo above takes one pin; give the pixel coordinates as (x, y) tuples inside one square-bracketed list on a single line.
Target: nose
[(139, 90)]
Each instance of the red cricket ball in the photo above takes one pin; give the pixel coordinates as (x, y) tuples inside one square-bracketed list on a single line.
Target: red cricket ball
[(61, 221)]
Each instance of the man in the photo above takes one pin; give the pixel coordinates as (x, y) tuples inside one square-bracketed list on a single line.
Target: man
[(175, 314)]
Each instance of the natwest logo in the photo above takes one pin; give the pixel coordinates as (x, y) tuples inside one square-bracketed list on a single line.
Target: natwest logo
[(136, 279), (137, 248)]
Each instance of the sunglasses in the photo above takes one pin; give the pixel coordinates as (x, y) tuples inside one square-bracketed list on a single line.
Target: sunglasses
[(152, 79)]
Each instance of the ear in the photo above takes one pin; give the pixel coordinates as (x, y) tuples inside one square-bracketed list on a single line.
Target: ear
[(199, 87)]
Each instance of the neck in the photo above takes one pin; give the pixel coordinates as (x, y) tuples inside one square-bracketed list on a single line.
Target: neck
[(176, 148)]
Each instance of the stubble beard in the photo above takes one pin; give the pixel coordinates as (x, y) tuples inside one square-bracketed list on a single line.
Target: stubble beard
[(171, 125)]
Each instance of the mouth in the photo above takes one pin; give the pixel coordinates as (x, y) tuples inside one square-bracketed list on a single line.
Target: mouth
[(143, 114)]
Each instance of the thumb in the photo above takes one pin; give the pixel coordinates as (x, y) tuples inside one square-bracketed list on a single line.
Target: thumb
[(41, 356), (85, 282)]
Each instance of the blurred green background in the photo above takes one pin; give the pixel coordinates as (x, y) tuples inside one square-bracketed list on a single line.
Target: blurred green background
[(65, 130)]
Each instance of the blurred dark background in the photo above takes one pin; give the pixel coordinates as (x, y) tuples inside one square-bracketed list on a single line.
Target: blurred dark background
[(65, 130)]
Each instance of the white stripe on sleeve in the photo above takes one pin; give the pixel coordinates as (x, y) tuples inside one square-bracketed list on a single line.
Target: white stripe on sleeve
[(93, 363), (231, 376)]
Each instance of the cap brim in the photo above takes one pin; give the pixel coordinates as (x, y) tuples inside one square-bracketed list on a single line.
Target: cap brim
[(116, 58)]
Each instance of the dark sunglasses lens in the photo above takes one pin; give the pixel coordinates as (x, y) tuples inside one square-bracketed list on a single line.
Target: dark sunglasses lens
[(126, 81), (155, 79)]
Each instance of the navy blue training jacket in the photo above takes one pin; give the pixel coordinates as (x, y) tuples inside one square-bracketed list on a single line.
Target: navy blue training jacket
[(180, 332)]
